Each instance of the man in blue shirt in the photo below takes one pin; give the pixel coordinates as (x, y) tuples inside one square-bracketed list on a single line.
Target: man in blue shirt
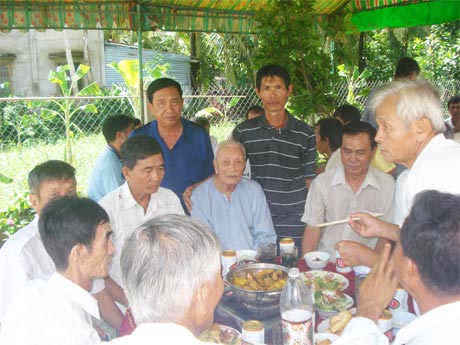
[(234, 208), (107, 174), (186, 146)]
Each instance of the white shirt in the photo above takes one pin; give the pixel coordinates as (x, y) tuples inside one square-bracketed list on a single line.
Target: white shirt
[(158, 333), (437, 326), (22, 258), (53, 312), (437, 167), (330, 198), (126, 215)]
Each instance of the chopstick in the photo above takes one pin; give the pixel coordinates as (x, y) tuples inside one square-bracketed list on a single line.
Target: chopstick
[(322, 225)]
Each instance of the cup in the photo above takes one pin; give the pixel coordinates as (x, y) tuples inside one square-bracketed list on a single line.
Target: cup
[(399, 301), (246, 256), (361, 273), (266, 252), (289, 256)]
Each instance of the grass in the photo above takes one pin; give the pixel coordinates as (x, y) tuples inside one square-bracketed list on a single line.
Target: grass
[(17, 162)]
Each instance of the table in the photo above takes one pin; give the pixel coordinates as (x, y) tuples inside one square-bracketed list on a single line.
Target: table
[(231, 313)]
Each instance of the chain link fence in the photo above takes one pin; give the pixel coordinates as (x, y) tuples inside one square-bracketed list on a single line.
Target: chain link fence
[(29, 135)]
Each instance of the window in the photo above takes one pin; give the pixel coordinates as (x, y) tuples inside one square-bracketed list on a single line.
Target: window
[(5, 74)]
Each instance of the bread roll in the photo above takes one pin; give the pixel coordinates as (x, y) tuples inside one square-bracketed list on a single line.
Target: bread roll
[(338, 322)]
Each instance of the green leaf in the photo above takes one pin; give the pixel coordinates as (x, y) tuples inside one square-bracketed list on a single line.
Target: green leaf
[(80, 72), (5, 179), (90, 90)]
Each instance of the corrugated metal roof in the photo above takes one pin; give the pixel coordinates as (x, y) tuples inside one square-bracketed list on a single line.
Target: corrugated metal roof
[(179, 65)]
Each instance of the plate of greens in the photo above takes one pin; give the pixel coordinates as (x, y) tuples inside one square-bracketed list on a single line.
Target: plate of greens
[(325, 281)]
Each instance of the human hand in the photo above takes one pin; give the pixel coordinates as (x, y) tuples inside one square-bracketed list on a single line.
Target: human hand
[(378, 288), (187, 197), (370, 226), (355, 254)]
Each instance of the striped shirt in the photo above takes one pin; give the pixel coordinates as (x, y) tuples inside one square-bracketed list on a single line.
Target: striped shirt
[(280, 161)]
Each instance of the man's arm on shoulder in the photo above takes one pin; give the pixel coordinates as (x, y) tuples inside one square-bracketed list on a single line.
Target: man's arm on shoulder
[(187, 195)]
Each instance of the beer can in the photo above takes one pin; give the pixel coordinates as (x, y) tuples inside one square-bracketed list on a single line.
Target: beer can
[(253, 332), (228, 260), (286, 242), (399, 301)]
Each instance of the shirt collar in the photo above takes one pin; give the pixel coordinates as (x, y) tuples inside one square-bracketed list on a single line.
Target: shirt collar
[(129, 200), (370, 179), (437, 140), (111, 148), (288, 126), (76, 294)]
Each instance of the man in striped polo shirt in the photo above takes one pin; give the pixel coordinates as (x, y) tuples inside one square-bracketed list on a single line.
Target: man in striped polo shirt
[(281, 151)]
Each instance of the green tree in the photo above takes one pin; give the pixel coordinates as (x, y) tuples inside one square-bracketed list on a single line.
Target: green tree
[(67, 108), (290, 36)]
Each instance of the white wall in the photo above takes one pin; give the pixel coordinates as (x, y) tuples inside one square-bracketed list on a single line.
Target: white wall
[(31, 67)]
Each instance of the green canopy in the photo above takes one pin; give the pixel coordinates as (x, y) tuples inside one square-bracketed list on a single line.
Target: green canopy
[(232, 16)]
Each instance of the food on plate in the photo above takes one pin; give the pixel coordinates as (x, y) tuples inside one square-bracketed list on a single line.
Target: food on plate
[(219, 334), (338, 322), (331, 301), (265, 280), (323, 342), (324, 281)]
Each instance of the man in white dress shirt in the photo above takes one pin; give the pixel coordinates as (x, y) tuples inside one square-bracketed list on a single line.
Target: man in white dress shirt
[(172, 276), (23, 257), (411, 127), (426, 263), (352, 186), (138, 200), (77, 236)]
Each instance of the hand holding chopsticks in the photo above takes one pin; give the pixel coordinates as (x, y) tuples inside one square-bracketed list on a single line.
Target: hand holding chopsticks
[(322, 225)]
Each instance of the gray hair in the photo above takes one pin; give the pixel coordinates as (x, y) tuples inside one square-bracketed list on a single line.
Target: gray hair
[(231, 143), (416, 99), (164, 262)]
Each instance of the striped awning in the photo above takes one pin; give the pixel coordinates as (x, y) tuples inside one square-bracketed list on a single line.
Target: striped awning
[(231, 16)]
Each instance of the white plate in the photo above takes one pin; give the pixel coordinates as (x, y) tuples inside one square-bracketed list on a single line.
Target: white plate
[(323, 326), (324, 336), (310, 275), (327, 314)]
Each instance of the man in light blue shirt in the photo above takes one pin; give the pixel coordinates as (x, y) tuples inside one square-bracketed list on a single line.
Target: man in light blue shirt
[(107, 174), (234, 208)]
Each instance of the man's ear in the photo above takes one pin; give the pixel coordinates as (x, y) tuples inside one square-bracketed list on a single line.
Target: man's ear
[(77, 254), (257, 92), (290, 88), (214, 163), (126, 173), (200, 306), (33, 198), (423, 128)]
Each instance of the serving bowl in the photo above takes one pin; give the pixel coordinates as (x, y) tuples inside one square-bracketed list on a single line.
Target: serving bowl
[(259, 303), (316, 260), (326, 314)]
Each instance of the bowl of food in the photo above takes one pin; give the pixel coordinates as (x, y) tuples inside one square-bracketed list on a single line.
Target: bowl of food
[(258, 287), (330, 303), (316, 260), (325, 281), (220, 334)]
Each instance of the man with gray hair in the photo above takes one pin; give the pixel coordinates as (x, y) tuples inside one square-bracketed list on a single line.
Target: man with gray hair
[(234, 208), (171, 274), (411, 128)]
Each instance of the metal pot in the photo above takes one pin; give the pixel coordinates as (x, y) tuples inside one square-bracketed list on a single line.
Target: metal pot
[(260, 304)]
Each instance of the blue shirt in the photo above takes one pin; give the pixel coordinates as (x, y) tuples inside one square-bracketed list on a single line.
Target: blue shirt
[(242, 222), (189, 161), (106, 174)]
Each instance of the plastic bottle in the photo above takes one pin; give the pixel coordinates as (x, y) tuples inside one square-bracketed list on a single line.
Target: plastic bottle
[(296, 310)]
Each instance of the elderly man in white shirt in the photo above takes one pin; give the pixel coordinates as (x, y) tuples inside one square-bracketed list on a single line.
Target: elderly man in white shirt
[(426, 263), (172, 276), (138, 200), (76, 234), (353, 186), (411, 127), (23, 257)]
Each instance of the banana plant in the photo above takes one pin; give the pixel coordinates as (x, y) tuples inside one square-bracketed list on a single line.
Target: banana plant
[(66, 107), (129, 70), (357, 86)]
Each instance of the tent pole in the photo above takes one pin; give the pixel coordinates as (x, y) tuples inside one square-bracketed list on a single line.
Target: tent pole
[(141, 71)]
